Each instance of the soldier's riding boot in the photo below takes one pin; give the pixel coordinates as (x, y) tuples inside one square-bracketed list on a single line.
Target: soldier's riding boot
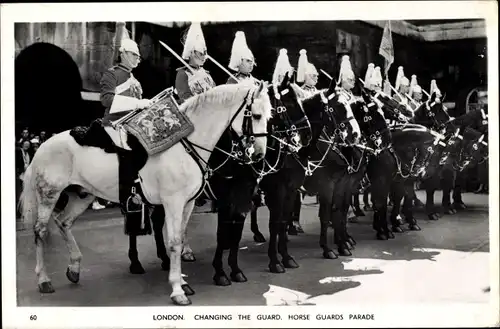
[(130, 162)]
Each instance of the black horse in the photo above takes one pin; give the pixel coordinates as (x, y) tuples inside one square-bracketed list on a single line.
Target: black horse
[(414, 154), (232, 183), (462, 133), (342, 170), (430, 114), (235, 185), (333, 119)]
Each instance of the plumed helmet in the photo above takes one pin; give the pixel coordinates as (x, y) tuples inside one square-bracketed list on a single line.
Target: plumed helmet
[(129, 45), (282, 66), (194, 41), (434, 87), (345, 69), (304, 67), (401, 79), (369, 73), (239, 51)]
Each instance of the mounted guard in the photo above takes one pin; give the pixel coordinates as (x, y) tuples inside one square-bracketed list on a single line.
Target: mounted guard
[(242, 61), (194, 79), (121, 94), (307, 74)]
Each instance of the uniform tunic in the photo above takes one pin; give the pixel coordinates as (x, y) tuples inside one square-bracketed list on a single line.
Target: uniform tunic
[(243, 77), (188, 84), (118, 80), (309, 90)]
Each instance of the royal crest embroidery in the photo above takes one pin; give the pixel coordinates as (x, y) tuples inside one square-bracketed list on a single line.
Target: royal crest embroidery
[(161, 126), (200, 81)]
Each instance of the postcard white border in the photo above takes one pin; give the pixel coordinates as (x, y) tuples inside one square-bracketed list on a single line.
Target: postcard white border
[(389, 315)]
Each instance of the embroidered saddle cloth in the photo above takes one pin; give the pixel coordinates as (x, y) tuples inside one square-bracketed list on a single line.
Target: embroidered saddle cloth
[(161, 126)]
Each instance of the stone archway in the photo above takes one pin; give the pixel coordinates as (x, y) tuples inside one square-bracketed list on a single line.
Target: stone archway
[(48, 89)]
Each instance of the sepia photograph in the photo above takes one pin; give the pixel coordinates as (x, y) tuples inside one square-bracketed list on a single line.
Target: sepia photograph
[(211, 156)]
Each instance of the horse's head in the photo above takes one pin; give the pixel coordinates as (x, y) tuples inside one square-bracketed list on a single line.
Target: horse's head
[(290, 118), (372, 122), (338, 103), (251, 123), (433, 113), (474, 149)]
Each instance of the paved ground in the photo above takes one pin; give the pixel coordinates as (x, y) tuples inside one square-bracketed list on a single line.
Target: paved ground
[(447, 260)]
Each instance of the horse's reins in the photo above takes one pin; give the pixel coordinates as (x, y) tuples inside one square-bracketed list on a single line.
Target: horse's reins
[(190, 147)]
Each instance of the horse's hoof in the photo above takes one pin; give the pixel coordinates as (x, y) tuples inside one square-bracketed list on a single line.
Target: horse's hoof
[(276, 268), (382, 236), (221, 280), (330, 254), (459, 205), (165, 265), (181, 300), (187, 289), (238, 277), (136, 268), (349, 246), (415, 227), (351, 241), (433, 216), (292, 230), (46, 288), (290, 263), (72, 276), (259, 238), (353, 219), (359, 212), (343, 251), (390, 235), (449, 211), (300, 229), (397, 229), (188, 257), (453, 211)]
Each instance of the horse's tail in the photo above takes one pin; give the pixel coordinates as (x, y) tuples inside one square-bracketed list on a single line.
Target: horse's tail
[(28, 200)]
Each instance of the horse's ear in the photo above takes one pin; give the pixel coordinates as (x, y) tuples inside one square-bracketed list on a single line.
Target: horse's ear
[(261, 87), (331, 87), (286, 79)]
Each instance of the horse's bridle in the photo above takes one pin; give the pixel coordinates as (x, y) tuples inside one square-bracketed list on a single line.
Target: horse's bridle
[(291, 130)]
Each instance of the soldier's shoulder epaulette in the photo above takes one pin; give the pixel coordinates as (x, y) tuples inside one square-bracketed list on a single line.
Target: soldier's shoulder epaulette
[(182, 68)]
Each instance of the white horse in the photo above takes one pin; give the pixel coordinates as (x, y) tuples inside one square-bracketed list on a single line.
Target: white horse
[(170, 178)]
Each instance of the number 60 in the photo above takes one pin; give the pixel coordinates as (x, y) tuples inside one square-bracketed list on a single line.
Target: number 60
[(33, 317)]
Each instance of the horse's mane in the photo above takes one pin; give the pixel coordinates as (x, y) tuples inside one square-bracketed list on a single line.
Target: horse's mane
[(226, 94)]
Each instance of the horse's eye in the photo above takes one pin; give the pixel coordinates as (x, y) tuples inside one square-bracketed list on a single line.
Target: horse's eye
[(257, 116)]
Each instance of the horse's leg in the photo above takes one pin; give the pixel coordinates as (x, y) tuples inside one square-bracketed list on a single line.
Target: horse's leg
[(289, 207), (366, 202), (397, 190), (380, 192), (297, 205), (356, 206), (458, 203), (47, 196), (275, 206), (254, 226), (187, 253), (186, 214), (325, 216), (430, 188), (177, 214), (133, 255), (158, 219), (235, 238), (223, 240), (448, 181), (64, 221), (409, 190)]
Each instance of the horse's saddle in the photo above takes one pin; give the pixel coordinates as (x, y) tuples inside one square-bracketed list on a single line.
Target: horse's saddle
[(101, 136)]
